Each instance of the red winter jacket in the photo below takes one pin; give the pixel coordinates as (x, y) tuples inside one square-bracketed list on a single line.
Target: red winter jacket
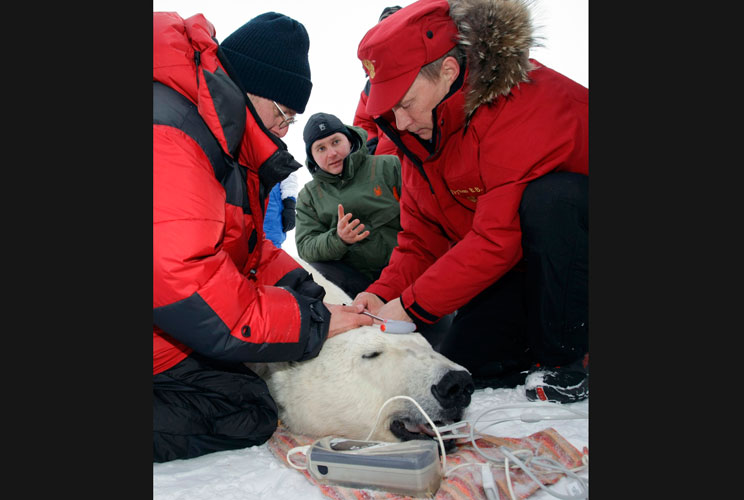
[(459, 210), (219, 287)]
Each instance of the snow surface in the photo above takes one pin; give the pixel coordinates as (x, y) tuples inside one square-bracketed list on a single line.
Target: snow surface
[(256, 474)]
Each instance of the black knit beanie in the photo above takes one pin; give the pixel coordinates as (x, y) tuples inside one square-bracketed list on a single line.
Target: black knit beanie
[(269, 55), (320, 126)]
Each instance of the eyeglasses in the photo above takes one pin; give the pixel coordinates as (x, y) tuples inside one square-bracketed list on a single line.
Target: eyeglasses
[(286, 120)]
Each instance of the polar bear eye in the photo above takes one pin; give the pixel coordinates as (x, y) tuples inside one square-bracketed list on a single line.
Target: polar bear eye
[(371, 355)]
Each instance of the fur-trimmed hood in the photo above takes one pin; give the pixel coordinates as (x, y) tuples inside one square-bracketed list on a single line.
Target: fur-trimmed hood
[(496, 36)]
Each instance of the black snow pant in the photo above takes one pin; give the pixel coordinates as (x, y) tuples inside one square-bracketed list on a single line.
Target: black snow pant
[(537, 312), (201, 406)]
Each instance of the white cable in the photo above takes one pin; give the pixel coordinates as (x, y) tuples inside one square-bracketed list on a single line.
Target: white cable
[(508, 478), (470, 464), (303, 449), (525, 417), (526, 469), (434, 427), (544, 462), (531, 417), (297, 449), (466, 464)]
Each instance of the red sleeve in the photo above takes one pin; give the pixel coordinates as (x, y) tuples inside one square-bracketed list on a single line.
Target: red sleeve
[(200, 297), (420, 243), (363, 120), (490, 248)]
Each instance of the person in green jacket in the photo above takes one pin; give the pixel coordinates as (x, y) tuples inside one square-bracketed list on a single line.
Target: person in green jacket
[(348, 216)]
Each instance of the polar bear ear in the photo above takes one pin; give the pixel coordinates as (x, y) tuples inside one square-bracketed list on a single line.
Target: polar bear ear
[(371, 355)]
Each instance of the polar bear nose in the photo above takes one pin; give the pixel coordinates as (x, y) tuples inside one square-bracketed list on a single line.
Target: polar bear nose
[(454, 389)]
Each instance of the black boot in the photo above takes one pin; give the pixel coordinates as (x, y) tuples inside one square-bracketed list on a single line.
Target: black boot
[(559, 384)]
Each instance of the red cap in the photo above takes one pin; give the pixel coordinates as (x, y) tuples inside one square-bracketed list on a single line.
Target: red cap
[(395, 49)]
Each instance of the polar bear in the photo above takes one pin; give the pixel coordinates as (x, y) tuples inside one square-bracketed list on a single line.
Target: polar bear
[(341, 391)]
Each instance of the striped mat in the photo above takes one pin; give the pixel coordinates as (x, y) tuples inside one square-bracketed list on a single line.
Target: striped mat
[(463, 483)]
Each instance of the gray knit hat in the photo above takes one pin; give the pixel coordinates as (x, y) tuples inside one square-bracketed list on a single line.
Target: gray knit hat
[(269, 53)]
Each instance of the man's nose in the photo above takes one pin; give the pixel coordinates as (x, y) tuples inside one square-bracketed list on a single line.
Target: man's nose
[(402, 120), (280, 132)]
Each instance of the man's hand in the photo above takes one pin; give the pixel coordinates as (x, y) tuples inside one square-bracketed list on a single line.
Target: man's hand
[(369, 301), (394, 310), (344, 318), (349, 232)]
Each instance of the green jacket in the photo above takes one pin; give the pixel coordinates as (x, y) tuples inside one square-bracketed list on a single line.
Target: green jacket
[(369, 188)]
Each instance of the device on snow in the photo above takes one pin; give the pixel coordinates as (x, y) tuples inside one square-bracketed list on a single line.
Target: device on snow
[(409, 468)]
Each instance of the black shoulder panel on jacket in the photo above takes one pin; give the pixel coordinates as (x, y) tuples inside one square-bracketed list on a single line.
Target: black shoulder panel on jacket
[(170, 108), (229, 102)]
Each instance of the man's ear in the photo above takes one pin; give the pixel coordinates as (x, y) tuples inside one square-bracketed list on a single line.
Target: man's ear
[(450, 70)]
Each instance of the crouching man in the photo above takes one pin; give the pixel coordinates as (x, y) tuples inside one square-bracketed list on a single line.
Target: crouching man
[(494, 193), (224, 295)]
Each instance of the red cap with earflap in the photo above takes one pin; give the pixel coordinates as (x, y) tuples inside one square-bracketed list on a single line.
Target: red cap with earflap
[(394, 50)]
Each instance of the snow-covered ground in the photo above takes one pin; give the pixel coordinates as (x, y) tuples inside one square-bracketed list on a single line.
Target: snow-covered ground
[(256, 474)]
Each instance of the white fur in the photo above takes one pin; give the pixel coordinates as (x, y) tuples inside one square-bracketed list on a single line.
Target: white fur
[(340, 391)]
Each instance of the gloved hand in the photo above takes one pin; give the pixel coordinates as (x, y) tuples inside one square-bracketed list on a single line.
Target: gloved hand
[(288, 214)]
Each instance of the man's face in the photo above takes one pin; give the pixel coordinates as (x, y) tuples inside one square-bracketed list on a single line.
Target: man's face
[(271, 116), (329, 152), (413, 112)]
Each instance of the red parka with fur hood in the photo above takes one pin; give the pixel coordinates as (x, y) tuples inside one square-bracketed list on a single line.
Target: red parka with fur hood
[(219, 287), (510, 121)]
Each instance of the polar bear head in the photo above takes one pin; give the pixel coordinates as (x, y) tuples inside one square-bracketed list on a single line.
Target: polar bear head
[(340, 392)]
